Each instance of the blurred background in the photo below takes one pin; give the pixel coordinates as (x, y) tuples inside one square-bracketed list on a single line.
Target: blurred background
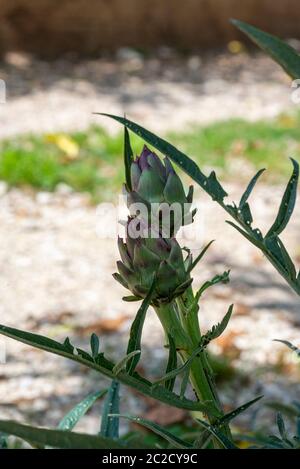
[(182, 70)]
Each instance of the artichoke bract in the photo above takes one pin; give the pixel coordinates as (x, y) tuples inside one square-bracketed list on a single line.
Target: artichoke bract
[(155, 184), (144, 258)]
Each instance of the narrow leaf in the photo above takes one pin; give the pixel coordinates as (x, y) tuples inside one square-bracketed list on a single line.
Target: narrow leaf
[(287, 204), (172, 363), (162, 432), (103, 366), (188, 165), (234, 413), (281, 426), (58, 438), (289, 345), (136, 330), (280, 51), (122, 363), (109, 424), (94, 345), (128, 158), (225, 442), (250, 188), (199, 257), (73, 417), (217, 330)]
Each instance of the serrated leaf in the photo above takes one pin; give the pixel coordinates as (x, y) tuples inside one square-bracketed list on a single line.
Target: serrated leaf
[(94, 345), (217, 330), (223, 278), (287, 203), (172, 363), (250, 188), (104, 366), (136, 330), (162, 432), (191, 168), (58, 438), (109, 424), (72, 418), (280, 51)]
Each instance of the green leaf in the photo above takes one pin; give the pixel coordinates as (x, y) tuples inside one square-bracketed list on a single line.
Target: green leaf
[(188, 165), (234, 413), (109, 424), (250, 188), (172, 363), (287, 204), (281, 52), (184, 382), (103, 366), (162, 432), (277, 250), (214, 188), (223, 278), (191, 168), (226, 419), (182, 368), (73, 417), (128, 158), (281, 426), (122, 363), (136, 330), (3, 441), (58, 438), (249, 236), (199, 257), (244, 213), (94, 345), (217, 330), (225, 442), (289, 345)]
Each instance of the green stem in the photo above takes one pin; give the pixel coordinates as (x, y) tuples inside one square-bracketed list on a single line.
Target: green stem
[(186, 335)]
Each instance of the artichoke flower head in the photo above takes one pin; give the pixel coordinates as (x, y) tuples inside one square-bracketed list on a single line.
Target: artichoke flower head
[(146, 258), (155, 182)]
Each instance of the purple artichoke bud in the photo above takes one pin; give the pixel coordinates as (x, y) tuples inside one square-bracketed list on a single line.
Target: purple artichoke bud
[(144, 258), (155, 183)]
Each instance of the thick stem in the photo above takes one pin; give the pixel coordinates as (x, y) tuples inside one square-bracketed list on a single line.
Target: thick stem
[(186, 335)]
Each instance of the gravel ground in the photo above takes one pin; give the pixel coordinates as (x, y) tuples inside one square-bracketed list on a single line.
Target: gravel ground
[(164, 91), (56, 271), (56, 279)]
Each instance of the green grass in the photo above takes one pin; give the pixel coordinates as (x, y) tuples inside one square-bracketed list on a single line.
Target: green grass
[(91, 161)]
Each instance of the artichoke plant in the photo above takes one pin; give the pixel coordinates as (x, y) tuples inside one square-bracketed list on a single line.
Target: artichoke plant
[(155, 184), (144, 258)]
